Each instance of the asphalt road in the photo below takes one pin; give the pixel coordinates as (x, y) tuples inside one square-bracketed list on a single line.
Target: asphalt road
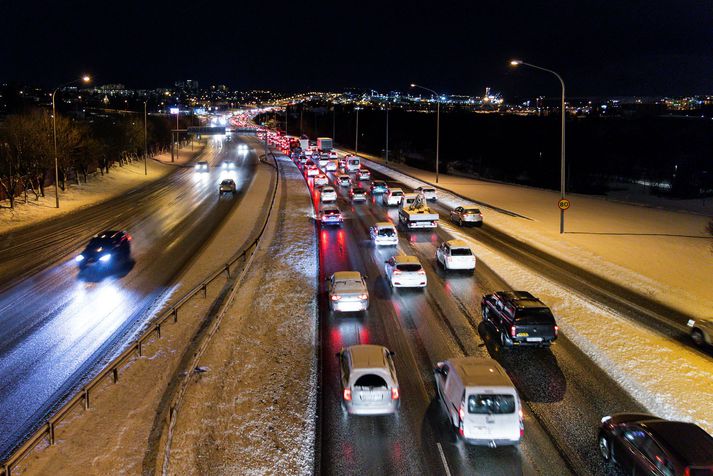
[(565, 393), (57, 325)]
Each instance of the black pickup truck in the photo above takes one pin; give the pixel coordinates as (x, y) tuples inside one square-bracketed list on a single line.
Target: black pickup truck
[(519, 318)]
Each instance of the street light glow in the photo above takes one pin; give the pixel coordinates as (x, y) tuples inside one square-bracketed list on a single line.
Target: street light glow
[(86, 78), (515, 62), (413, 85)]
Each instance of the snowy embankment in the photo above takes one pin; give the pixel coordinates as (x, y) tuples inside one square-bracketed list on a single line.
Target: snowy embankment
[(662, 254), (99, 188), (253, 411), (668, 378)]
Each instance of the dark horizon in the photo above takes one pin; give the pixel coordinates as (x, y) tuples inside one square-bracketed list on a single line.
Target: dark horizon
[(655, 48)]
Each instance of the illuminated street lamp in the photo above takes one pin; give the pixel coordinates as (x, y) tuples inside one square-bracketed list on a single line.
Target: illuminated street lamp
[(564, 112), (356, 139), (85, 79), (438, 120)]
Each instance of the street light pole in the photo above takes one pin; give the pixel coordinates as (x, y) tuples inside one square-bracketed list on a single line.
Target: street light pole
[(85, 79), (438, 122), (562, 144), (146, 140), (356, 138), (387, 134)]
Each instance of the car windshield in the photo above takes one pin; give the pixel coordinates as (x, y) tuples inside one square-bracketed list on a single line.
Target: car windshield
[(409, 268), (397, 194), (370, 381), (472, 211), (461, 252), (534, 316), (358, 190), (353, 161), (331, 212), (99, 242), (387, 232), (487, 404), (428, 190), (227, 182), (327, 190)]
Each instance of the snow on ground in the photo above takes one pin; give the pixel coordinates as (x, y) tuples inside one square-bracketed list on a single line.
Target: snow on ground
[(98, 189), (663, 254), (254, 411), (668, 378), (112, 437)]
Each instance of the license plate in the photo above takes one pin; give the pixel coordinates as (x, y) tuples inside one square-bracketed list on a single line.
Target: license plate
[(522, 334), (534, 339), (370, 397), (351, 306)]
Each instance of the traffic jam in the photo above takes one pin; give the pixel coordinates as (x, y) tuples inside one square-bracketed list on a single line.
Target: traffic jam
[(380, 273)]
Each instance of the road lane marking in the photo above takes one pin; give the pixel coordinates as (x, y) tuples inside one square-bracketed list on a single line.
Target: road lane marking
[(443, 458)]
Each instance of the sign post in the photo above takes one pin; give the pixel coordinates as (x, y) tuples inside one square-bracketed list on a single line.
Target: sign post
[(563, 205)]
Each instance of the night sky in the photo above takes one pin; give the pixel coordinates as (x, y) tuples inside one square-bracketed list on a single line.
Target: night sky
[(604, 47)]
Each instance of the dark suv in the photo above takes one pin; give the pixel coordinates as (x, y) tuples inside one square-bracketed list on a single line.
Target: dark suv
[(645, 444), (106, 250), (519, 318)]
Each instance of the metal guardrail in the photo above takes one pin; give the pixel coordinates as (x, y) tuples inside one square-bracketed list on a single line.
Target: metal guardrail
[(47, 430)]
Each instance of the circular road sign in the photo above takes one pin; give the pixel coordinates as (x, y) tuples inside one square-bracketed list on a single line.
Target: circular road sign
[(563, 204)]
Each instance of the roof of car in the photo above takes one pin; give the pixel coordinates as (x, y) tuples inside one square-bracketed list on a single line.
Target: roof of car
[(108, 234), (457, 244), (521, 299), (689, 441), (476, 371), (405, 259), (347, 275), (367, 356), (470, 207), (384, 224)]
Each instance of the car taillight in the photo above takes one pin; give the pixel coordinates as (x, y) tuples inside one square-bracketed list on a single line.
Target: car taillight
[(394, 393), (363, 296), (396, 272), (557, 329), (421, 271), (522, 424), (336, 297), (347, 394), (513, 331), (461, 417)]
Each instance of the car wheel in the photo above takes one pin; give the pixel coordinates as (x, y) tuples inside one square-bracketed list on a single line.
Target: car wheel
[(504, 341), (486, 314), (604, 448), (460, 222), (698, 337)]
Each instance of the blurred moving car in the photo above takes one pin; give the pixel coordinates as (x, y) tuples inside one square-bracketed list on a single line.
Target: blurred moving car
[(481, 402), (379, 186), (519, 318), (344, 180), (201, 166), (320, 179), (384, 233), (467, 215), (331, 166), (347, 292), (228, 164), (368, 380), (455, 254), (330, 215), (227, 186), (701, 331), (364, 174), (644, 444), (327, 194), (405, 272), (392, 198), (357, 194), (107, 249)]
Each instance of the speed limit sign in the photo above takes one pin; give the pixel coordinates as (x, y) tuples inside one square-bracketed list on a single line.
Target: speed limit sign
[(563, 204)]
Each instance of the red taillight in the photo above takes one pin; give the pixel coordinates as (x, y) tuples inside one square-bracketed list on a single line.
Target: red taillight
[(513, 331), (557, 329), (347, 394), (396, 271), (421, 271), (522, 424), (336, 297), (461, 412), (394, 393), (363, 296), (461, 416)]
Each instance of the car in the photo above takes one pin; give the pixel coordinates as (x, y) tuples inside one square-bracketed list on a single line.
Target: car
[(467, 215), (481, 402), (333, 154), (347, 292), (323, 160), (405, 272), (320, 179), (701, 331), (364, 174), (638, 443), (330, 215), (519, 319), (384, 233), (228, 164), (106, 250), (428, 192), (455, 255), (327, 194), (227, 186), (368, 380), (201, 166), (357, 194), (344, 180), (311, 170), (378, 186), (392, 198), (352, 163), (331, 166)]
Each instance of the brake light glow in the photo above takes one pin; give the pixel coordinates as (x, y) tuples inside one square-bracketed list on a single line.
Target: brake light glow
[(363, 296), (421, 271), (461, 416), (557, 329), (347, 394), (394, 393), (513, 331), (336, 297), (522, 424)]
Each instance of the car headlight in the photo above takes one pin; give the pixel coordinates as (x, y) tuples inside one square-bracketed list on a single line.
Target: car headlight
[(606, 419), (79, 258), (105, 258)]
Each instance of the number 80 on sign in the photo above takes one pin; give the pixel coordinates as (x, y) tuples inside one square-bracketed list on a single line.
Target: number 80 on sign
[(563, 204)]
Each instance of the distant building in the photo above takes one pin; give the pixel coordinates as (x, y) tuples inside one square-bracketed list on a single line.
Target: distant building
[(189, 84)]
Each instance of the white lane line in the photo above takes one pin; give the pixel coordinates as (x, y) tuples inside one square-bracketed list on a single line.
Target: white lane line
[(443, 458)]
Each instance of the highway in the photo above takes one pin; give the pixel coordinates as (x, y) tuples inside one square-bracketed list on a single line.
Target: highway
[(565, 393), (56, 326)]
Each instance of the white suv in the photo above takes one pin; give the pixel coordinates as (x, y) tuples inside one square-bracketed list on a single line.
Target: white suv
[(327, 194), (392, 198), (384, 233), (405, 272), (455, 254), (368, 380)]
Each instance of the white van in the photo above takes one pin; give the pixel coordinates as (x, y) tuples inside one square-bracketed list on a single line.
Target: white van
[(480, 400), (352, 163)]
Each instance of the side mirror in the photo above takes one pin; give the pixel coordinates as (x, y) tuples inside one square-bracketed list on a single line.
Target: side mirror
[(392, 353), (366, 276)]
